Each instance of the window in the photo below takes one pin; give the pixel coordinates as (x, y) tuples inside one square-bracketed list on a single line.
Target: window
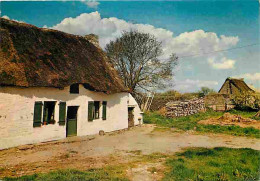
[(48, 112), (37, 115), (93, 110), (96, 107), (74, 89)]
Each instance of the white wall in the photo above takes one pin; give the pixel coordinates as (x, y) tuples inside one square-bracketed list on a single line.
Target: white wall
[(138, 114), (17, 108)]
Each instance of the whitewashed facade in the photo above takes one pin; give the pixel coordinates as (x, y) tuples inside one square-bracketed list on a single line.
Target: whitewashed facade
[(17, 114)]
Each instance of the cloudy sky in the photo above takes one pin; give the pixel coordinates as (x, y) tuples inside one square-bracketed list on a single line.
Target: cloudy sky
[(214, 39)]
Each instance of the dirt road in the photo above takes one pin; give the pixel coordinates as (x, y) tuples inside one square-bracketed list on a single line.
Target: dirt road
[(97, 151)]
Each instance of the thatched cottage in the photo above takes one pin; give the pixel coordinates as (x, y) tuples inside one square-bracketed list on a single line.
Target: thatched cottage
[(234, 86), (222, 101), (54, 85)]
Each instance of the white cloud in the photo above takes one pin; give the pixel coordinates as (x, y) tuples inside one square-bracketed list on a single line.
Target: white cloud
[(5, 17), (250, 76), (200, 42), (224, 63), (188, 43), (189, 85), (91, 3)]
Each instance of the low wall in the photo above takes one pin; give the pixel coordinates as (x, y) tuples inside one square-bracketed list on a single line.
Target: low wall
[(184, 108), (219, 102)]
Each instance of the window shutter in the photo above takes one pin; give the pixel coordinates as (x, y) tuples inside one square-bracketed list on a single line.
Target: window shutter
[(37, 116), (90, 110), (62, 113), (104, 113)]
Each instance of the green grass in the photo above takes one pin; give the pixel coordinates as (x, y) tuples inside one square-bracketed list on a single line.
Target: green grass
[(245, 114), (190, 122), (193, 164), (103, 174), (217, 164)]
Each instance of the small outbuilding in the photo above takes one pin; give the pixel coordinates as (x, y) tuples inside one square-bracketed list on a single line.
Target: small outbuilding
[(222, 101), (54, 85), (234, 86)]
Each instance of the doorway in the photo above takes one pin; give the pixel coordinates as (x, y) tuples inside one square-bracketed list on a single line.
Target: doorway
[(72, 114), (131, 117)]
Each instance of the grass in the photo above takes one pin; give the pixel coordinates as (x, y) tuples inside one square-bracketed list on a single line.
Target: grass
[(191, 123), (219, 164), (115, 173), (193, 164), (245, 114)]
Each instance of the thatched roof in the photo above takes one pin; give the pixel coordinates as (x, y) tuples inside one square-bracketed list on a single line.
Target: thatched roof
[(39, 57), (233, 86)]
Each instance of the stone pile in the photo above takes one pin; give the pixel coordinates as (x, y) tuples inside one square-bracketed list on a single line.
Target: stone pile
[(184, 108)]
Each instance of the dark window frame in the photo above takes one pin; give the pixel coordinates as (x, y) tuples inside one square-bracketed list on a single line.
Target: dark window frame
[(74, 89)]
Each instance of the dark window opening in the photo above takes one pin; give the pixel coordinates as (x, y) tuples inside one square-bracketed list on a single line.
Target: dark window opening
[(49, 112), (96, 109), (74, 89), (72, 112)]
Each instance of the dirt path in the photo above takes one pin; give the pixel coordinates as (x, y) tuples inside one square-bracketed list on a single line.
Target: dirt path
[(232, 120), (114, 148)]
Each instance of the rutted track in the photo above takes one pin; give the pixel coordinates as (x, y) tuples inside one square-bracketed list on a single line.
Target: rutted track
[(113, 148)]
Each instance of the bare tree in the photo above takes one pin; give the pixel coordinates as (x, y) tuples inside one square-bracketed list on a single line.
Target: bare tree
[(136, 56)]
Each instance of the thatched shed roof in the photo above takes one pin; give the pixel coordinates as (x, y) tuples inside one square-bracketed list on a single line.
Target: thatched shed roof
[(38, 57), (234, 86)]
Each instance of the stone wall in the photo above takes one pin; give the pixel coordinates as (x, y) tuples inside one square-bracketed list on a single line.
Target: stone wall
[(184, 108)]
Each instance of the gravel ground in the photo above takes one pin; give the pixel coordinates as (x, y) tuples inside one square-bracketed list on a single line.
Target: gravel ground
[(112, 148)]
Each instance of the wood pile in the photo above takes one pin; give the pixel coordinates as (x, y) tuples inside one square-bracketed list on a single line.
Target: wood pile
[(184, 108)]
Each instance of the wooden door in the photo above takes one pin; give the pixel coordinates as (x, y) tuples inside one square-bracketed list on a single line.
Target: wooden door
[(130, 117), (72, 121)]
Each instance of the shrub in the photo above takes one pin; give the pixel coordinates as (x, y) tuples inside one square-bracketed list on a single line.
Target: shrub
[(247, 101)]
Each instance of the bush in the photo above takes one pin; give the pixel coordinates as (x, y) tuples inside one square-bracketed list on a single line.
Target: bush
[(205, 91), (247, 101)]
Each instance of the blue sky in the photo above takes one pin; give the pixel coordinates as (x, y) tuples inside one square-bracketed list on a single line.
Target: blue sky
[(186, 28)]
